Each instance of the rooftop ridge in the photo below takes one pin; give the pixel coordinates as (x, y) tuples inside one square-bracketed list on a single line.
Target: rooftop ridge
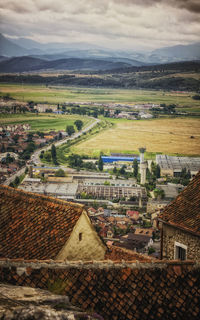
[(44, 197), (95, 264)]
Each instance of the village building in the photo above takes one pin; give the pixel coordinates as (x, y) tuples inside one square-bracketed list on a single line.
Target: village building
[(172, 166), (171, 190), (180, 222), (39, 227), (45, 107), (113, 192), (137, 242), (154, 205)]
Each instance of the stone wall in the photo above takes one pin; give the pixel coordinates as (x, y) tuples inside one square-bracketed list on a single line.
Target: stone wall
[(172, 235), (117, 291)]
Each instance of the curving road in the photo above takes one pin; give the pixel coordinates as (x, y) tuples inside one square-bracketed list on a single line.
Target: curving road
[(35, 156)]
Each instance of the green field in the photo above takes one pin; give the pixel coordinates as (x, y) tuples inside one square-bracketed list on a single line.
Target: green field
[(59, 94), (179, 136), (44, 122)]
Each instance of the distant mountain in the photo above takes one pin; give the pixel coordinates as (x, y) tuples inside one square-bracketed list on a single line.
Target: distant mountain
[(27, 63), (176, 53), (2, 58), (27, 43), (8, 48), (54, 51)]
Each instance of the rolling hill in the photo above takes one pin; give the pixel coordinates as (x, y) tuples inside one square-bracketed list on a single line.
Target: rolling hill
[(28, 63)]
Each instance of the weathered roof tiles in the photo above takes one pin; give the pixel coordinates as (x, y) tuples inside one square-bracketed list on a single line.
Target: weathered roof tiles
[(184, 211), (34, 226)]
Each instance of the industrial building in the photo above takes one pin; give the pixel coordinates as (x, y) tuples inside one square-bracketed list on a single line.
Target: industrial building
[(66, 191), (172, 166), (119, 157), (113, 192)]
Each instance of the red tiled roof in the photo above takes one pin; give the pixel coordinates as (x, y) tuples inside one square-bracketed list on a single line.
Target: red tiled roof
[(115, 253), (184, 211), (34, 226)]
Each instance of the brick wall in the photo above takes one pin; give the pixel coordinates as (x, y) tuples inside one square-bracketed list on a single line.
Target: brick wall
[(171, 234), (118, 291)]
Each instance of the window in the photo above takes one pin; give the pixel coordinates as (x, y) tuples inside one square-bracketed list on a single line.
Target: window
[(80, 236), (180, 251)]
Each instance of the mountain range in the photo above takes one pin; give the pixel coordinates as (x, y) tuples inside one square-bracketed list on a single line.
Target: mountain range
[(73, 56)]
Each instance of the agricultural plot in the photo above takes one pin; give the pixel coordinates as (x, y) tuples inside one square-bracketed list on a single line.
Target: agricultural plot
[(171, 136), (60, 94), (44, 122)]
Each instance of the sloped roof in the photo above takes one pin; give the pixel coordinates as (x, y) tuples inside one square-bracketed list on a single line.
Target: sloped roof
[(34, 226), (184, 211)]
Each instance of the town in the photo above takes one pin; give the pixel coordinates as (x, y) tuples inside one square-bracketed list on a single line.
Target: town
[(99, 160), (124, 193)]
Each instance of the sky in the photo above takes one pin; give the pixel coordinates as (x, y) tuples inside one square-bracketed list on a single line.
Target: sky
[(117, 24)]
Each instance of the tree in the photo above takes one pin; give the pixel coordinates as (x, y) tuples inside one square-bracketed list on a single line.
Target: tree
[(196, 97), (53, 154), (157, 171), (30, 137), (135, 168), (53, 151), (70, 130), (100, 164), (31, 147), (114, 170), (60, 173), (78, 124), (15, 138), (17, 181), (159, 193), (75, 160), (47, 156), (11, 185), (122, 170)]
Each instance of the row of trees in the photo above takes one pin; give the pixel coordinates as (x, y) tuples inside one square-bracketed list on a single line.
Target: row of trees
[(70, 128)]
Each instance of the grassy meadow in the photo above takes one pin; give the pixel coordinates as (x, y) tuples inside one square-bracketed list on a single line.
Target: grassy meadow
[(43, 122), (60, 94), (170, 136)]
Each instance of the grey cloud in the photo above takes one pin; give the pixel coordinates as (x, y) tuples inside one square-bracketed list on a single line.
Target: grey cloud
[(18, 7), (190, 5), (152, 23)]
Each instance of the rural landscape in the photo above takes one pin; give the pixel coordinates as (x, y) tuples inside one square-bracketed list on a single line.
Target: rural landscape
[(100, 160)]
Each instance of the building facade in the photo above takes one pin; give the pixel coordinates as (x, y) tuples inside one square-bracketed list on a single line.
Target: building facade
[(180, 225)]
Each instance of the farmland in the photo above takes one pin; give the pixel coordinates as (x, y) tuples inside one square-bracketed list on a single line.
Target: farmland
[(43, 122), (170, 136), (61, 94)]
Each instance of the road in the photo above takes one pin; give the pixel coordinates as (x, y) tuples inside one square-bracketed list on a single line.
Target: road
[(12, 178), (35, 156)]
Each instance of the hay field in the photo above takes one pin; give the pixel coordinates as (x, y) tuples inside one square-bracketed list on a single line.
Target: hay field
[(170, 136)]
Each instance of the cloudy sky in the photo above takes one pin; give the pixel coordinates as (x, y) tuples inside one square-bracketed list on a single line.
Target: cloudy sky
[(118, 24)]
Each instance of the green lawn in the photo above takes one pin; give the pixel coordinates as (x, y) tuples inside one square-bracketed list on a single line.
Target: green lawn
[(44, 122)]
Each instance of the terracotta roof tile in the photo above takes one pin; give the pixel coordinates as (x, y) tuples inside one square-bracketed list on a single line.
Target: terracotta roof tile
[(34, 226), (184, 211)]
